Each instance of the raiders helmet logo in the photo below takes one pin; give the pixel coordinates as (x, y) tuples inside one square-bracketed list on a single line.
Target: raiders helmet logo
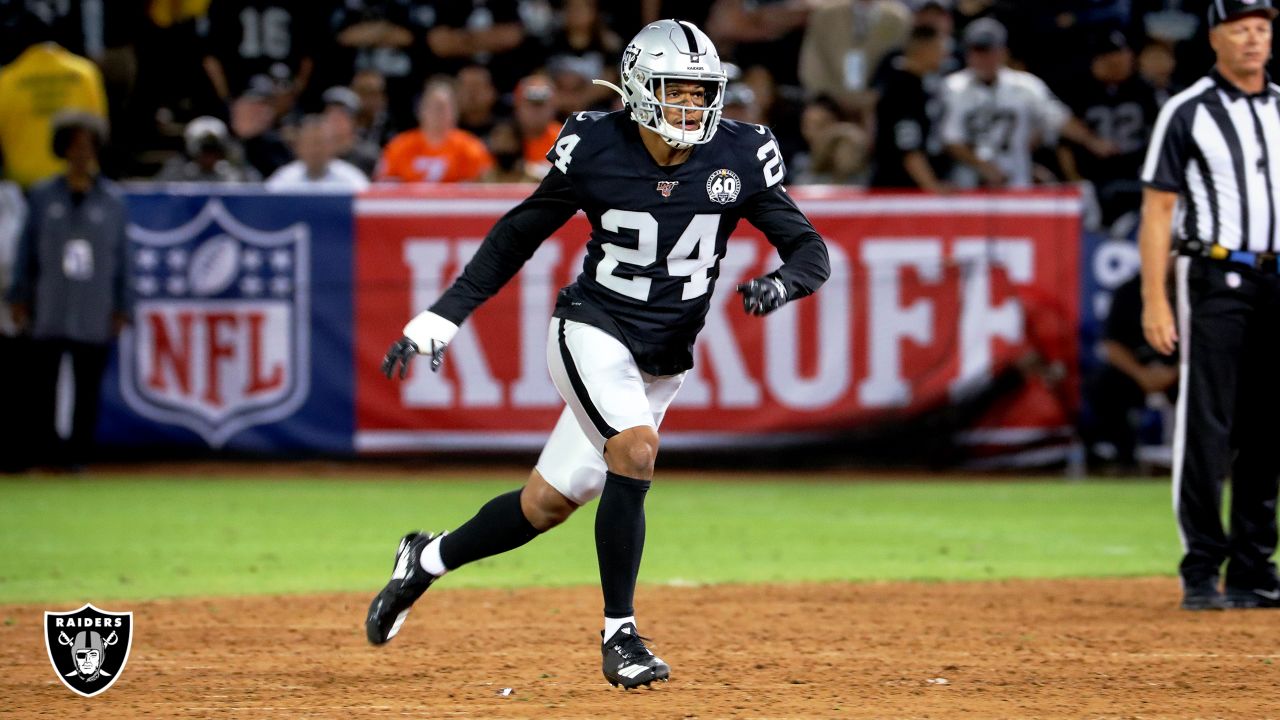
[(629, 58), (88, 647)]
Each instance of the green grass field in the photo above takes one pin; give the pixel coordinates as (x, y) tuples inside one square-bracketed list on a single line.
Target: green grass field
[(107, 537)]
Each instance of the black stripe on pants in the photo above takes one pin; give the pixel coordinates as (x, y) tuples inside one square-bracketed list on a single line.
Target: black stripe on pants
[(1230, 337), (580, 388)]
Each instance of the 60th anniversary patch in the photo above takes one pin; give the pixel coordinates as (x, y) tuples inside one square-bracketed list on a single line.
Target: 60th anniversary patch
[(88, 647), (723, 186)]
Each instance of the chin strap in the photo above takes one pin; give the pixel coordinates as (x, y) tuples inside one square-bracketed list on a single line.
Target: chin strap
[(674, 143), (611, 86)]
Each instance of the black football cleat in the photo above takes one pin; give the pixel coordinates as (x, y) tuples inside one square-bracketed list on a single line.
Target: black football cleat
[(1253, 598), (408, 582), (1203, 596), (627, 662)]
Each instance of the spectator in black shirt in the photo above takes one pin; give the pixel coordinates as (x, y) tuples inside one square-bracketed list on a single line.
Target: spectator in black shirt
[(373, 120), (485, 32), (1119, 106), (902, 156), (477, 100), (253, 121), (245, 38), (388, 37), (936, 14), (585, 46), (77, 26)]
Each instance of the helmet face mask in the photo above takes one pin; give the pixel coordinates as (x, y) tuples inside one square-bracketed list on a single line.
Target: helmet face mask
[(667, 53)]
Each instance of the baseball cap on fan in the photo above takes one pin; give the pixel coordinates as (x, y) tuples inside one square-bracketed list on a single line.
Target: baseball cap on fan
[(985, 34), (1221, 11)]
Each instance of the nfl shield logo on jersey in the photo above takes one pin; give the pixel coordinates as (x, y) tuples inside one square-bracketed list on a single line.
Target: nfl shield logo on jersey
[(666, 186), (221, 335), (723, 186), (88, 647)]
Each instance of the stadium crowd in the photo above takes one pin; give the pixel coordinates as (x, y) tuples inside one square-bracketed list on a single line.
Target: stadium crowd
[(938, 95), (888, 93)]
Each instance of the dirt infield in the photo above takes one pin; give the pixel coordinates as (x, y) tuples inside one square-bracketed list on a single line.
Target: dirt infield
[(1068, 649)]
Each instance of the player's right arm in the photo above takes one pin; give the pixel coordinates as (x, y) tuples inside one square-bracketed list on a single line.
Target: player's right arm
[(1154, 241), (805, 263), (507, 247), (1163, 174)]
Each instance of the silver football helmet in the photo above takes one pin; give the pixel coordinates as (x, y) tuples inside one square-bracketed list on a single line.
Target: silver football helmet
[(672, 51)]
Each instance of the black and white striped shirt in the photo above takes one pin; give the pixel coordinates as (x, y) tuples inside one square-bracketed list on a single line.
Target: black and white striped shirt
[(1216, 146)]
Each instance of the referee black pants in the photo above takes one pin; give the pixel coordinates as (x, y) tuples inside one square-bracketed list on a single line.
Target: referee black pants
[(1228, 421)]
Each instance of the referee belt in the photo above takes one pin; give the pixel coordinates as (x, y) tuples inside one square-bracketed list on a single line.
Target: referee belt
[(1264, 261)]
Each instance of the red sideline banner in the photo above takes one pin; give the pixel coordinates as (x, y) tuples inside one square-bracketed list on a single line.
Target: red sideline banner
[(928, 298)]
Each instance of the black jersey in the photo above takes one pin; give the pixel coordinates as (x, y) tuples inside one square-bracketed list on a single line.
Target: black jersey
[(1123, 114), (906, 116), (250, 36), (657, 233)]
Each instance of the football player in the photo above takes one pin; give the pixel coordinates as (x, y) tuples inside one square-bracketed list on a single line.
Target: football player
[(663, 183)]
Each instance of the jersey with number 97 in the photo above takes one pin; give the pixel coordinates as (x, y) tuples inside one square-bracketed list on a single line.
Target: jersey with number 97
[(657, 233)]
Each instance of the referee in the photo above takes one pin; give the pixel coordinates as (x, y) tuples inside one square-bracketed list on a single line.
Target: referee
[(1214, 159)]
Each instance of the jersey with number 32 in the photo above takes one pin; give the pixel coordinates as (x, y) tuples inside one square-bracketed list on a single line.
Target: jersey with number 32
[(658, 233)]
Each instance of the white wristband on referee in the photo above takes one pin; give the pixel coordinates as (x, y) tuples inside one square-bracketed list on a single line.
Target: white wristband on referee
[(428, 326)]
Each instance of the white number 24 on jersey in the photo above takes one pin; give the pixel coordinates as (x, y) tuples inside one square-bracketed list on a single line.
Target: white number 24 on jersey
[(693, 255)]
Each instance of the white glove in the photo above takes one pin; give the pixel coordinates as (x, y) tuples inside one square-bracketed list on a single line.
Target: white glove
[(428, 327), (426, 334)]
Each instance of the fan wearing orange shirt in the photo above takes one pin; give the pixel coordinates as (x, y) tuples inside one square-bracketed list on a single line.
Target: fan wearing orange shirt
[(435, 151), (535, 112)]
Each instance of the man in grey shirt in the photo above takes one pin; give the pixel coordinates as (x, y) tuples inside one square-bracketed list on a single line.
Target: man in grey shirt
[(70, 283)]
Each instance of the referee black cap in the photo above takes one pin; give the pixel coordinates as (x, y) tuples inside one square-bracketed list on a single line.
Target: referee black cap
[(1221, 11)]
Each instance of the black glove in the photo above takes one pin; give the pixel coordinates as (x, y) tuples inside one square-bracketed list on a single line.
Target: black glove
[(403, 351), (763, 295)]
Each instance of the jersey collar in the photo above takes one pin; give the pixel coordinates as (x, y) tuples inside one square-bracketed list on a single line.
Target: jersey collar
[(646, 162), (1234, 92)]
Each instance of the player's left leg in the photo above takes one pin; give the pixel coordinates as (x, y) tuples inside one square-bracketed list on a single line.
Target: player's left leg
[(618, 408), (620, 520)]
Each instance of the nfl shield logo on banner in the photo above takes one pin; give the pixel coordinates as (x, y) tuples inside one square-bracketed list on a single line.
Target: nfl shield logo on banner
[(88, 647), (221, 335)]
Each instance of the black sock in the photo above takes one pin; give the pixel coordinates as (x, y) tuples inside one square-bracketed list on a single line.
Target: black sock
[(499, 526), (620, 541)]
